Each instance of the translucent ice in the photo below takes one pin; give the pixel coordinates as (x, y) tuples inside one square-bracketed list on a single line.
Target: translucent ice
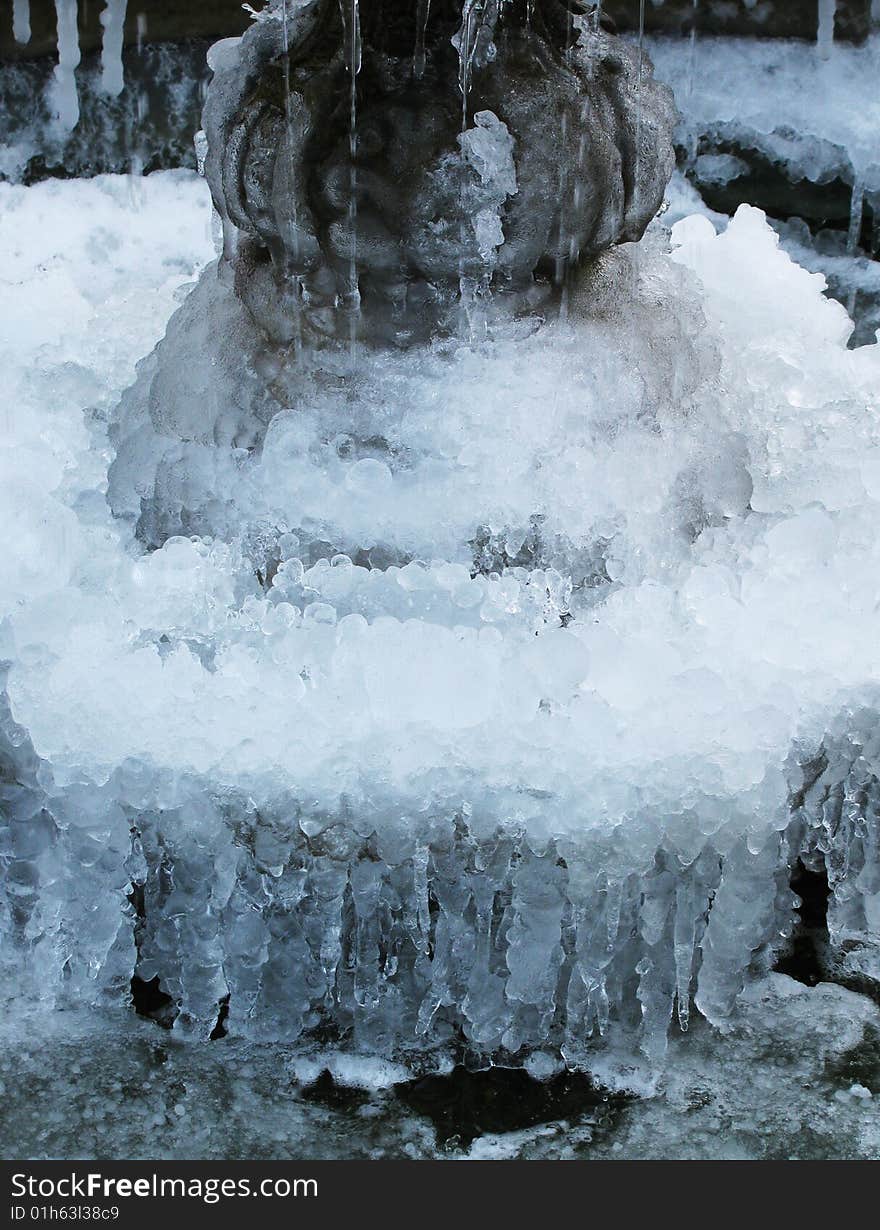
[(66, 97), (478, 702), (804, 110)]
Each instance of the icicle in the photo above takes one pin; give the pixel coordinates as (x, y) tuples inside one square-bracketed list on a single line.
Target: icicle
[(465, 41), (856, 208), (684, 940), (473, 42), (422, 16), (21, 21), (113, 22), (66, 99), (141, 30), (825, 30)]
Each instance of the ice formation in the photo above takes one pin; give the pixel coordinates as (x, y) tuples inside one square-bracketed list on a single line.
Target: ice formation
[(815, 116), (21, 21), (774, 124), (113, 22), (148, 126), (475, 692)]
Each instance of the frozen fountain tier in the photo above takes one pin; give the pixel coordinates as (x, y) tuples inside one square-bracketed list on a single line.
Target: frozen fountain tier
[(382, 161)]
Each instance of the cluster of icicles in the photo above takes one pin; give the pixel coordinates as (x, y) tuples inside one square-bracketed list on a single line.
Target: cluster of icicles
[(66, 99)]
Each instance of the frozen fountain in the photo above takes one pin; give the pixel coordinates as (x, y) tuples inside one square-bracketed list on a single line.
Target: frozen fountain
[(476, 632), (385, 184)]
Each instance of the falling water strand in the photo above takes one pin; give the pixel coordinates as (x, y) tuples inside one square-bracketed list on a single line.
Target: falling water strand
[(637, 166), (423, 14), (66, 99), (639, 70), (351, 21), (141, 30), (577, 192), (560, 273), (856, 209), (21, 21), (562, 256), (294, 275), (584, 130), (825, 28), (462, 43), (464, 57), (692, 50), (113, 23)]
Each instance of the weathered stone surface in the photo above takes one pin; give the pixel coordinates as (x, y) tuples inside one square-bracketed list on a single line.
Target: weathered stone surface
[(430, 167)]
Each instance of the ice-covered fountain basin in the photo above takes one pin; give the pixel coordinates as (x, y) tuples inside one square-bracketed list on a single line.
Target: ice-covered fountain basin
[(273, 736)]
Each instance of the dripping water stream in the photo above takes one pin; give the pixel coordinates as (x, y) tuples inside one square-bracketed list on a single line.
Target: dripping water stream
[(294, 277), (692, 48), (351, 23), (638, 157), (465, 36), (564, 259)]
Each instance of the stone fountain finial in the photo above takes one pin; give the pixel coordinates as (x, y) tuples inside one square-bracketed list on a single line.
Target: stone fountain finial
[(385, 154), (391, 172)]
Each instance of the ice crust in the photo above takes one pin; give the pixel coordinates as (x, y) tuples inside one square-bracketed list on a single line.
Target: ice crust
[(817, 115), (533, 778)]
